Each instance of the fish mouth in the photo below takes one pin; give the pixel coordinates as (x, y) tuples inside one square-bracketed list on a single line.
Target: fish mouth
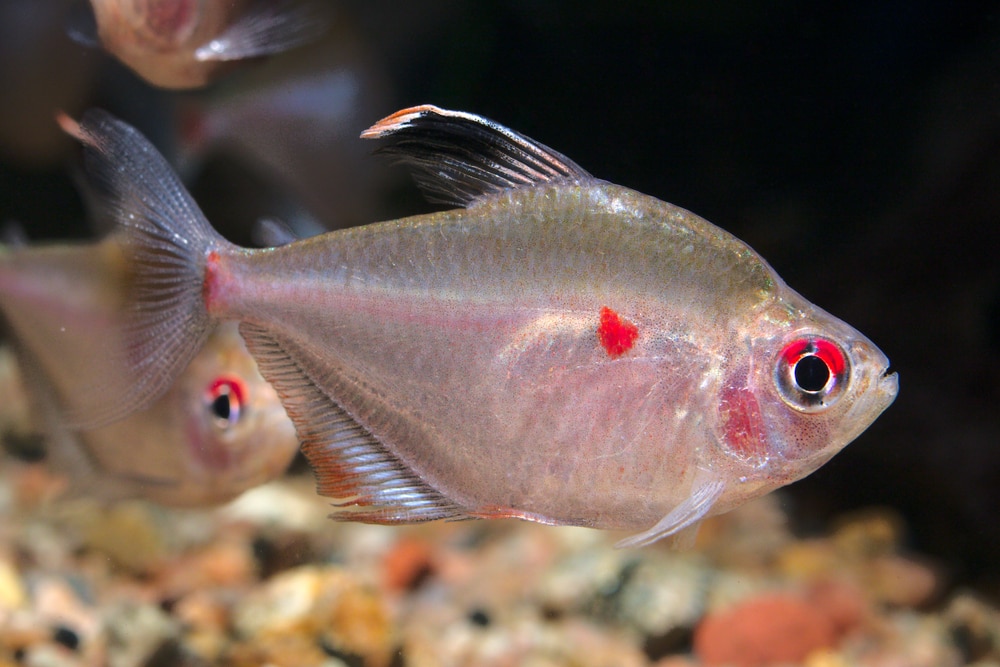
[(879, 382), (888, 384)]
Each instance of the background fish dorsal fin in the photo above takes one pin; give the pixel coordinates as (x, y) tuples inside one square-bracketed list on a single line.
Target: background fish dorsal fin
[(266, 27), (457, 157), (350, 463)]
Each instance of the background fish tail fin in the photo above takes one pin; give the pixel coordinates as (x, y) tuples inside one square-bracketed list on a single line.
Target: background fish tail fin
[(166, 239)]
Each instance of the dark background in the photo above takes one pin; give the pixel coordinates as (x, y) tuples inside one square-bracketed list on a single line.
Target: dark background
[(856, 148)]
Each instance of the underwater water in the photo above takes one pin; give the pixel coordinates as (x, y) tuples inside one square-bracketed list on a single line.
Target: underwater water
[(856, 149)]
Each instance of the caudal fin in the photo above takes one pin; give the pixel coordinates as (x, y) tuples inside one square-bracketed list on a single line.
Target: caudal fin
[(166, 238)]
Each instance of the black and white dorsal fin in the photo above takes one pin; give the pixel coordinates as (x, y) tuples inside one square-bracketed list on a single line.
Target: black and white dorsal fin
[(351, 465), (457, 157)]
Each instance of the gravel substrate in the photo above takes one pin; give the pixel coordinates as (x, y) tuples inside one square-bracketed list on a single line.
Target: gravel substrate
[(269, 580)]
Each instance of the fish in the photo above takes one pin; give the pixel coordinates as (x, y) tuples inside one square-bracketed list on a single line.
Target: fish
[(182, 44), (557, 348), (218, 431)]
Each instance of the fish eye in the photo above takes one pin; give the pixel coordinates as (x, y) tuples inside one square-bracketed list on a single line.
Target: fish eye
[(225, 401), (811, 373)]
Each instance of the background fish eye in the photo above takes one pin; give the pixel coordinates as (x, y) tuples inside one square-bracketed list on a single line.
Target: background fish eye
[(225, 401)]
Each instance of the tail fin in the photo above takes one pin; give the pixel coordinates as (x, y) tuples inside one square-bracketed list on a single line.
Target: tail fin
[(166, 239)]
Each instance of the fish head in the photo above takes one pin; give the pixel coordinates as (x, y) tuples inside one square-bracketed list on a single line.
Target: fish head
[(156, 25), (808, 385), (236, 432), (157, 39)]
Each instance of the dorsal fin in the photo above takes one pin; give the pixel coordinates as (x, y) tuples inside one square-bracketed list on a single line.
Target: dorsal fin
[(457, 157), (350, 463)]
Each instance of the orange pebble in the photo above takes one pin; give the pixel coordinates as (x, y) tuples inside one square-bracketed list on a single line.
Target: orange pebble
[(764, 630), (406, 564)]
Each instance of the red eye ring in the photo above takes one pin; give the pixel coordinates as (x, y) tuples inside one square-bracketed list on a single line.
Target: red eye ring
[(811, 373), (829, 352), (225, 399)]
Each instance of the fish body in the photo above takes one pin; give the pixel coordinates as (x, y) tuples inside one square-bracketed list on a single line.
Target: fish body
[(561, 349), (218, 431), (186, 43)]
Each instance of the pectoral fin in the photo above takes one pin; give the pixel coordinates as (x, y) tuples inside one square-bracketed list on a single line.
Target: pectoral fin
[(684, 519)]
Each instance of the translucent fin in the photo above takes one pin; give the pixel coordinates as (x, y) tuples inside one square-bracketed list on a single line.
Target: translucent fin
[(266, 27), (350, 463), (457, 157), (63, 448), (684, 538), (166, 239), (271, 233), (12, 234), (18, 427), (81, 25), (684, 517)]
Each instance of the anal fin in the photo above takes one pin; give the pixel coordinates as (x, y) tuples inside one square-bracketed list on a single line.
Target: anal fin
[(351, 465)]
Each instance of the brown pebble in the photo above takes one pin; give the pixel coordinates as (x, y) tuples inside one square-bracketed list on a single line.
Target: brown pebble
[(900, 581), (325, 605), (763, 630), (808, 559), (869, 532), (843, 603), (225, 564), (202, 610)]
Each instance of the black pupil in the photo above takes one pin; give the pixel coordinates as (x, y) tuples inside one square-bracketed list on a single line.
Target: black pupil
[(222, 407), (811, 373)]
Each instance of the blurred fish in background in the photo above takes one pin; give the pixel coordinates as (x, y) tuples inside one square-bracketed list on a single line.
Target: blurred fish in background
[(295, 120), (18, 432), (217, 432), (220, 429), (187, 43)]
